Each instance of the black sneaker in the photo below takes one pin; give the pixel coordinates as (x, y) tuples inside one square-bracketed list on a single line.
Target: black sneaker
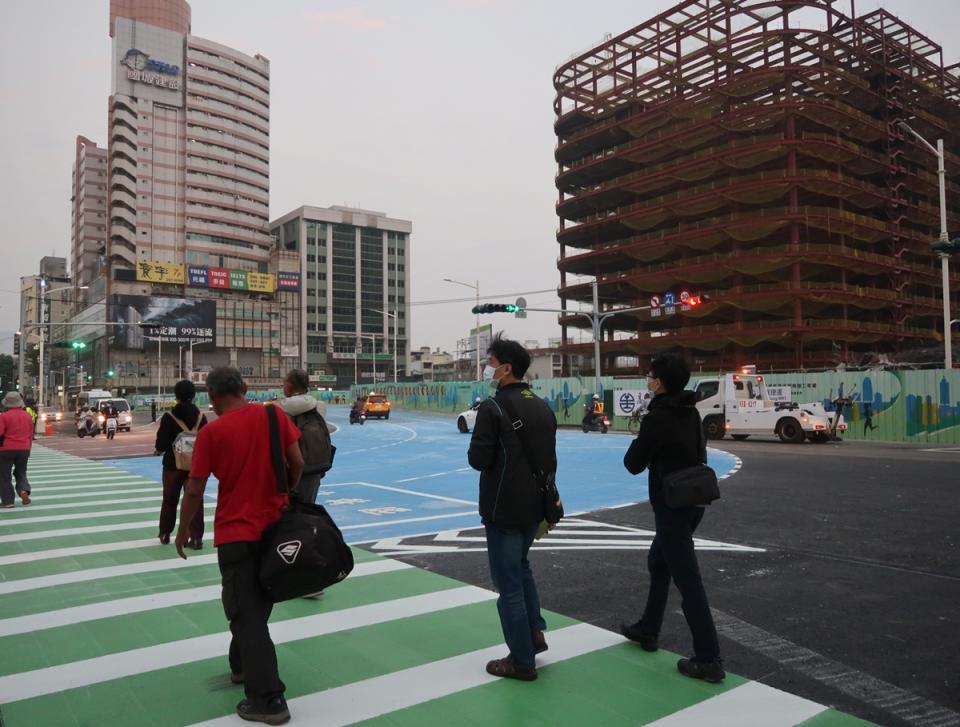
[(709, 671), (634, 632), (275, 712), (236, 677)]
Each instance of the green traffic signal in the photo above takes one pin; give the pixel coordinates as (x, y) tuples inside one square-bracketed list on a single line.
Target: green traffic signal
[(496, 308), (78, 345), (110, 373)]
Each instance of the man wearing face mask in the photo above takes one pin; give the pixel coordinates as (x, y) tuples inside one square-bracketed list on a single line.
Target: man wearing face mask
[(510, 504), (671, 438)]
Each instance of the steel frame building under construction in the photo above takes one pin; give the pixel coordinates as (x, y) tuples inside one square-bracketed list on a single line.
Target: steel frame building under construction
[(749, 151)]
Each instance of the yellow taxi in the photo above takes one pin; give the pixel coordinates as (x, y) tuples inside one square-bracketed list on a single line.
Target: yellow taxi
[(377, 406)]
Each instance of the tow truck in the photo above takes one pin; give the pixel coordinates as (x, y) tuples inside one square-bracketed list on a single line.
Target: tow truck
[(737, 404)]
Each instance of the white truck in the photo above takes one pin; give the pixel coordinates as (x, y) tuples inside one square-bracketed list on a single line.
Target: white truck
[(738, 405)]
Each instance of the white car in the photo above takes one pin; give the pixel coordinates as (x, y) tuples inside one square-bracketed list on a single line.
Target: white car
[(466, 420)]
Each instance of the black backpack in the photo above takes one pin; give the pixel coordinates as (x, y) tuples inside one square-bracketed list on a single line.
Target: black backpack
[(315, 445)]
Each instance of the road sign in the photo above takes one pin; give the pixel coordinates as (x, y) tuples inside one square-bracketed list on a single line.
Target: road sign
[(654, 301)]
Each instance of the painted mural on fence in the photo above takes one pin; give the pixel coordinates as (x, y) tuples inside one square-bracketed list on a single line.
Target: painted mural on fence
[(899, 406)]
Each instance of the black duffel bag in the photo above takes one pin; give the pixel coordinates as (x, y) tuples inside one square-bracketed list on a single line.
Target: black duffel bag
[(304, 552), (691, 486)]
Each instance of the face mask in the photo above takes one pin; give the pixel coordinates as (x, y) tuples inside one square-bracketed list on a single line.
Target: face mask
[(488, 373)]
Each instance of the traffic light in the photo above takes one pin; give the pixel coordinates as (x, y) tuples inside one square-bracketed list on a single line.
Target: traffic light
[(78, 345), (496, 308), (18, 383), (946, 247), (109, 373)]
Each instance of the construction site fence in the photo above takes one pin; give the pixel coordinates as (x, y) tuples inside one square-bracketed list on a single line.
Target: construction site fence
[(915, 406)]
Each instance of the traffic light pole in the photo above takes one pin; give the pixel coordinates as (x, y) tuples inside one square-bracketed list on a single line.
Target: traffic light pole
[(596, 321)]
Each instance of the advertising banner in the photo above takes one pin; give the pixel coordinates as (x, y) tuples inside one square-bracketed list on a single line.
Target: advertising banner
[(238, 280), (174, 320), (198, 277), (627, 401), (288, 281), (219, 278), (262, 282), (152, 271)]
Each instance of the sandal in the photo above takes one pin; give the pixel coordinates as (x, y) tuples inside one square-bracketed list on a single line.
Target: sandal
[(507, 669)]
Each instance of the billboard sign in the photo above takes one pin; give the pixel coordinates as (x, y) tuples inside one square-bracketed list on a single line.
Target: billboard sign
[(156, 271), (288, 281), (173, 320)]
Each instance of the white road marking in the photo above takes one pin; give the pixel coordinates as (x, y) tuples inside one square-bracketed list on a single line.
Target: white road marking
[(370, 698), (35, 556), (750, 705), (417, 494), (84, 515), (42, 495), (83, 530), (153, 601), (49, 680)]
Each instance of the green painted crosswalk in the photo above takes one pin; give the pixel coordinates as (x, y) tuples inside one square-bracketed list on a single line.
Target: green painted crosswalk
[(101, 625)]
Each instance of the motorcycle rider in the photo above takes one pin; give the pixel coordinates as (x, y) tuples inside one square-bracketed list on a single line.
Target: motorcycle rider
[(86, 423), (358, 407), (593, 410)]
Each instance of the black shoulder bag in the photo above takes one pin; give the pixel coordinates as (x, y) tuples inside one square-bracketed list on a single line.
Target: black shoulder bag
[(691, 486), (304, 552), (546, 481)]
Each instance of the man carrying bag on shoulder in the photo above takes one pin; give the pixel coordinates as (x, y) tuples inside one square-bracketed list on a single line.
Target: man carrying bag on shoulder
[(236, 449), (512, 498)]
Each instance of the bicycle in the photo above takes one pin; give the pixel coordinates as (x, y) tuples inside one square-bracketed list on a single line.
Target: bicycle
[(633, 423)]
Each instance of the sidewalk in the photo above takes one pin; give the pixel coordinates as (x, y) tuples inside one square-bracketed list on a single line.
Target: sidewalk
[(102, 625)]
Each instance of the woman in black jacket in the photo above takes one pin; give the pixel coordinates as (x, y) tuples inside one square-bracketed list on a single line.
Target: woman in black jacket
[(671, 438), (174, 479)]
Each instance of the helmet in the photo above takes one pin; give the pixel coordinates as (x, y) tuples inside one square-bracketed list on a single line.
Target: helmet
[(596, 397)]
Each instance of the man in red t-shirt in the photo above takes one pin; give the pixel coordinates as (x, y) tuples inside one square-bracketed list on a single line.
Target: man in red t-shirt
[(236, 449)]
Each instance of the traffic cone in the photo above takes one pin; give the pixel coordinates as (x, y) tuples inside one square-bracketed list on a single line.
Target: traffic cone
[(48, 429)]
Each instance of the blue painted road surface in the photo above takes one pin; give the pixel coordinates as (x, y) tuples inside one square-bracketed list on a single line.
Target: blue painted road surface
[(409, 475)]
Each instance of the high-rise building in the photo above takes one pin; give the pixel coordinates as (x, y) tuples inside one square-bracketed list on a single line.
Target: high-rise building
[(88, 219), (741, 169), (45, 299), (356, 275), (187, 246)]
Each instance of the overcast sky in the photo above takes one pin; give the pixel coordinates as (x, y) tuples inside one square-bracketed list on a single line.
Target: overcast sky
[(436, 111)]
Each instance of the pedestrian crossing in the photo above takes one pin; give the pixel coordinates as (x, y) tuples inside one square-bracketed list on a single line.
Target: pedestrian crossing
[(101, 625)]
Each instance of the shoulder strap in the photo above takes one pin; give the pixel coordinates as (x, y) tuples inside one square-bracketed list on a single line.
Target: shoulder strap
[(180, 424), (516, 424), (276, 452)]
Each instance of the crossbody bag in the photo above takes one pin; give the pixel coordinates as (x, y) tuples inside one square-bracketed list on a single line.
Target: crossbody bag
[(694, 486)]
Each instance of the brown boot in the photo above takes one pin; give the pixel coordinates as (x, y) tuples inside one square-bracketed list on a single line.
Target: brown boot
[(539, 642)]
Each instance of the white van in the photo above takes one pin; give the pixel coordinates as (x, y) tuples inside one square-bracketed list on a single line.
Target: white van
[(124, 413), (90, 399)]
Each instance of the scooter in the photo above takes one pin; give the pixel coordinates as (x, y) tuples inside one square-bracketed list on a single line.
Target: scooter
[(597, 423), (357, 418), (86, 426), (111, 427)]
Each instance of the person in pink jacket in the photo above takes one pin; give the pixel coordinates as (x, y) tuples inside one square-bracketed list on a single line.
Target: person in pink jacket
[(16, 431)]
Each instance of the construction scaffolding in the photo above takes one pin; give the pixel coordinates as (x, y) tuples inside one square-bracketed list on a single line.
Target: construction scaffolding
[(749, 152)]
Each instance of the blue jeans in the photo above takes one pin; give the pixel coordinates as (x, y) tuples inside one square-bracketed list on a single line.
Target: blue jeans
[(519, 603)]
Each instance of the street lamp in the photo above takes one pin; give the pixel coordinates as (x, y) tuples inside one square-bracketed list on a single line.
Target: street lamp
[(476, 289), (372, 337), (394, 316), (40, 387), (938, 152)]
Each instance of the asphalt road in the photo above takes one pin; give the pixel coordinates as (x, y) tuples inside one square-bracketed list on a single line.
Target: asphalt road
[(853, 601)]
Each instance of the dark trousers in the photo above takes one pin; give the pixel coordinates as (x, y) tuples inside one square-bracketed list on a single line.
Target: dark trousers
[(247, 609), (173, 482), (519, 602), (672, 557), (13, 465)]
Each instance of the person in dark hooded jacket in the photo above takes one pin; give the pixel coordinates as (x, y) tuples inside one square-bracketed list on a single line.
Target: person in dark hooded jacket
[(173, 479), (671, 438)]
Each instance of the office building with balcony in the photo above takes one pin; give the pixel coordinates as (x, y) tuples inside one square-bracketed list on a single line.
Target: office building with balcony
[(187, 242), (354, 293)]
